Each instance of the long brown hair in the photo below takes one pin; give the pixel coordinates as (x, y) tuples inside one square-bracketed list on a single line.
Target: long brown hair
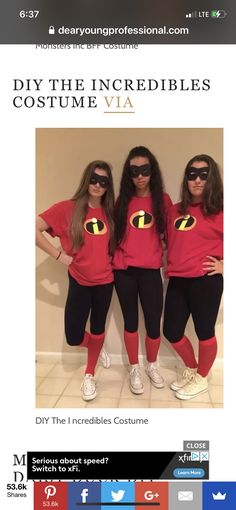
[(127, 190), (212, 199), (81, 198)]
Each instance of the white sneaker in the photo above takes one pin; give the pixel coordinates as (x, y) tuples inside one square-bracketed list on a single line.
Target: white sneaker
[(135, 380), (184, 379), (88, 387), (195, 387), (105, 359), (155, 378)]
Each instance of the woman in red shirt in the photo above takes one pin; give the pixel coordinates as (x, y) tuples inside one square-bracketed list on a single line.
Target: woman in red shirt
[(85, 228), (195, 269), (139, 225)]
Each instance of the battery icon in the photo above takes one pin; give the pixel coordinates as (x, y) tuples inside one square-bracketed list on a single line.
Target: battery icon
[(218, 14)]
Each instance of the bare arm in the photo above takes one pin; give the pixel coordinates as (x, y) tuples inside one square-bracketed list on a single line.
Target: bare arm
[(45, 245)]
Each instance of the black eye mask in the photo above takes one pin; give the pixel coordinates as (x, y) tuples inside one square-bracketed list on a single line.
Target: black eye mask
[(192, 173), (144, 170), (102, 180)]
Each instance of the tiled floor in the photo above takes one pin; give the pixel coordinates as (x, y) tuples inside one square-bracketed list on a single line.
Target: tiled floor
[(58, 386)]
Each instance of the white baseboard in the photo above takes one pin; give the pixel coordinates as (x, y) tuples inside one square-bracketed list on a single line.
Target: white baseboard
[(116, 359)]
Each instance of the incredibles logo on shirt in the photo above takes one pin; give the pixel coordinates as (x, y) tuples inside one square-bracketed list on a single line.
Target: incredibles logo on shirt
[(141, 219), (184, 223), (95, 227)]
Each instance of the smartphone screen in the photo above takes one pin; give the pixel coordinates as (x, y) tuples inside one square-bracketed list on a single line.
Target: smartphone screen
[(118, 351)]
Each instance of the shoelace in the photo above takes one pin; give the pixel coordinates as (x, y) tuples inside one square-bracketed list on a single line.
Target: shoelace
[(153, 369), (155, 374), (189, 374), (136, 372), (104, 357), (195, 378), (88, 383)]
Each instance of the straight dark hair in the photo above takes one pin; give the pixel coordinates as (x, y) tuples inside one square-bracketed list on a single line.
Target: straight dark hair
[(127, 191), (212, 200), (81, 198)]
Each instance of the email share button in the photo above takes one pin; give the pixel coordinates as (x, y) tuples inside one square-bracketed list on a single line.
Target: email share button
[(188, 473), (185, 495)]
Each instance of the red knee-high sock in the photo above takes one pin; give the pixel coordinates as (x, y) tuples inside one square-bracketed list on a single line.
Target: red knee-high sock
[(206, 355), (152, 347), (185, 350), (94, 348), (131, 344), (85, 340)]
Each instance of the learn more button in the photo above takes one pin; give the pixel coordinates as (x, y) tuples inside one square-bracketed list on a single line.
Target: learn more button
[(188, 473)]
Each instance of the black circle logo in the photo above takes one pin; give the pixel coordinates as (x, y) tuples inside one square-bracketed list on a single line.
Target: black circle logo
[(95, 227), (141, 219), (184, 223)]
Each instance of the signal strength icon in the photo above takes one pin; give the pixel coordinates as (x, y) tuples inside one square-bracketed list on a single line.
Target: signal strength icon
[(191, 15)]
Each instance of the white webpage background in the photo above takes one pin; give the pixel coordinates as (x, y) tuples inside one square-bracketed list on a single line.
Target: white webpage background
[(167, 427)]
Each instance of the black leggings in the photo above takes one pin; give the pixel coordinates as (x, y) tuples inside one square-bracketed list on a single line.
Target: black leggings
[(80, 301), (199, 297), (146, 284)]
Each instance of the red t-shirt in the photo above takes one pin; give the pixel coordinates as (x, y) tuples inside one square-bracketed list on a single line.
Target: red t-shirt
[(141, 246), (191, 238), (91, 264)]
